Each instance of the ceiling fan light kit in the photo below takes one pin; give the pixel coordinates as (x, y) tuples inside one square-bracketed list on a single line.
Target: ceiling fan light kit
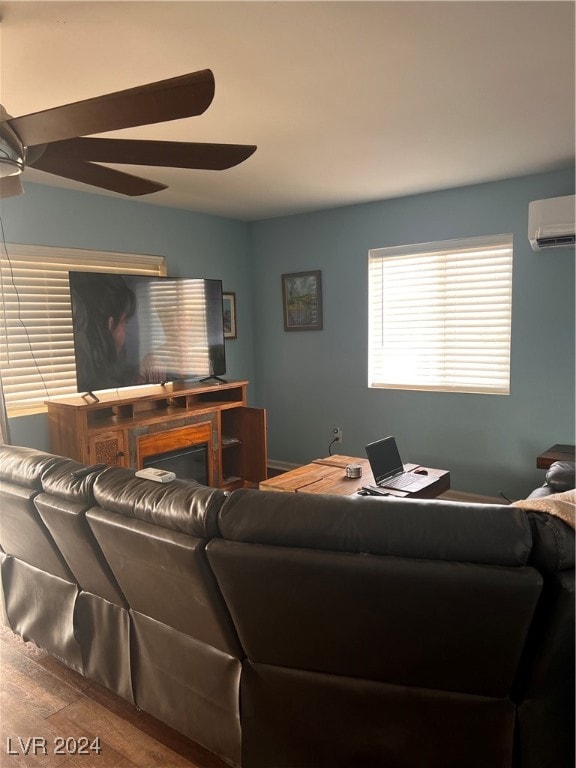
[(55, 140)]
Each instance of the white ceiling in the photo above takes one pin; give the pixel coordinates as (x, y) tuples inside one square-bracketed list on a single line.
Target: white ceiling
[(348, 102)]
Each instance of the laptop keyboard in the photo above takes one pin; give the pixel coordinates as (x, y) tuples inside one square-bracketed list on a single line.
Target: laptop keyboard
[(405, 481)]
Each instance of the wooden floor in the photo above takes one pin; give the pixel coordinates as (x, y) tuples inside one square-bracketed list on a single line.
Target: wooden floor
[(41, 697)]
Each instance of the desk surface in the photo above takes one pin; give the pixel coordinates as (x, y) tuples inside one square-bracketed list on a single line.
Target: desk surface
[(328, 476)]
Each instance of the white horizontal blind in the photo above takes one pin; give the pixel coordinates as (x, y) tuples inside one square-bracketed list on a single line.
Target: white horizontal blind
[(36, 341), (440, 316)]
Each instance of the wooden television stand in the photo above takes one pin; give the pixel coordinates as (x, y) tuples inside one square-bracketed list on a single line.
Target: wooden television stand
[(124, 427)]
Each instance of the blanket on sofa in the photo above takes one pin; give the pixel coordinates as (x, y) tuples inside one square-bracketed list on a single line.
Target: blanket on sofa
[(562, 505)]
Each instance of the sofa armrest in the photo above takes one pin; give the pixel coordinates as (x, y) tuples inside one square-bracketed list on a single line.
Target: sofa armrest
[(553, 547), (561, 476)]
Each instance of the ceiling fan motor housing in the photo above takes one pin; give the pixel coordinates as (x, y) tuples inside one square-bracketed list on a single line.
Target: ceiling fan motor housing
[(12, 151)]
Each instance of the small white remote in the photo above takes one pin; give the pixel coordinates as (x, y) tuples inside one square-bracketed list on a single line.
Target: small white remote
[(158, 475)]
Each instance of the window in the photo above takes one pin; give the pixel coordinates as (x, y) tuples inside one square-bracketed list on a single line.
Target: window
[(440, 316), (36, 342)]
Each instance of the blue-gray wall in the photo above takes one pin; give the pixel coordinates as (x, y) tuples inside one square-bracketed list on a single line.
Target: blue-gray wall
[(194, 245), (312, 381)]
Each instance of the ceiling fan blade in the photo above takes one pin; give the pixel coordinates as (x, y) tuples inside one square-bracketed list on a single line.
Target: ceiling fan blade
[(177, 97), (97, 176), (10, 186), (173, 154)]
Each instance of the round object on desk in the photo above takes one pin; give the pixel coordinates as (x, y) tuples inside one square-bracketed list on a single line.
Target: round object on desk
[(353, 471)]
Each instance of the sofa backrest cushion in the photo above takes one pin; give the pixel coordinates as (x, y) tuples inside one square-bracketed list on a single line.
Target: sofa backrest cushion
[(164, 574), (436, 596), (26, 467), (419, 528), (67, 524), (434, 624), (23, 534), (182, 505), (26, 475), (153, 536)]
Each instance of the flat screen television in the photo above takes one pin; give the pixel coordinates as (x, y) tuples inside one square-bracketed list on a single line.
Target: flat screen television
[(134, 329)]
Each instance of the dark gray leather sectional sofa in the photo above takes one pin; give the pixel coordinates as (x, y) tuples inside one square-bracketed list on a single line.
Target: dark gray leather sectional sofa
[(292, 630)]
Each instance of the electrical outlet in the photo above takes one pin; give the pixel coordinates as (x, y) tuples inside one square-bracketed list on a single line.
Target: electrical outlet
[(337, 434)]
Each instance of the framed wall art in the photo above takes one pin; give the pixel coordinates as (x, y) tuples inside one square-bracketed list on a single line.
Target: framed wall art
[(302, 301), (229, 307)]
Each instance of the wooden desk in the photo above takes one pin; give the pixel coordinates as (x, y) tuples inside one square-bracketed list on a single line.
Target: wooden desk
[(328, 476), (555, 453)]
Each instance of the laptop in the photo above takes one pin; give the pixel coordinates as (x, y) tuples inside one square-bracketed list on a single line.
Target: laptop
[(388, 469)]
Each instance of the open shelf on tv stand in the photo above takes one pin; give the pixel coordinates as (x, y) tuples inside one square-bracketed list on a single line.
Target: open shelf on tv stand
[(112, 428)]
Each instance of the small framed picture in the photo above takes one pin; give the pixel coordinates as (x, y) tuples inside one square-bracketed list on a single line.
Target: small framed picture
[(229, 307), (302, 301)]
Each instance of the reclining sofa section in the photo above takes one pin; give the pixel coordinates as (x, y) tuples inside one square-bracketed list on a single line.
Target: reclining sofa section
[(293, 630), (109, 573)]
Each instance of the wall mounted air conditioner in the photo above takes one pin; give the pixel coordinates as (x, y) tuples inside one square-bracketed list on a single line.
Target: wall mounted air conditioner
[(552, 223)]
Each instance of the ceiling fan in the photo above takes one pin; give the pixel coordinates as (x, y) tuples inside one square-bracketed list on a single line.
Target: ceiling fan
[(58, 140)]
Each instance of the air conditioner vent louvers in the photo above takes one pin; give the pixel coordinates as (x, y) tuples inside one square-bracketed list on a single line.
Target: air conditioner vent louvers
[(550, 242)]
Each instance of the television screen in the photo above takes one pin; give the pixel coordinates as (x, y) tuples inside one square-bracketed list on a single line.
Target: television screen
[(135, 329)]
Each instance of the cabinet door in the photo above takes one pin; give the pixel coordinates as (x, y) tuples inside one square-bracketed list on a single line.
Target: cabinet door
[(254, 440), (108, 448), (246, 454)]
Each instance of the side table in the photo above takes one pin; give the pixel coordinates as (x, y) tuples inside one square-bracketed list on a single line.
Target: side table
[(557, 452)]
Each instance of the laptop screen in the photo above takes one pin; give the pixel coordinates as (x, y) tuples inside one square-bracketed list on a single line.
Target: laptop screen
[(384, 458)]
